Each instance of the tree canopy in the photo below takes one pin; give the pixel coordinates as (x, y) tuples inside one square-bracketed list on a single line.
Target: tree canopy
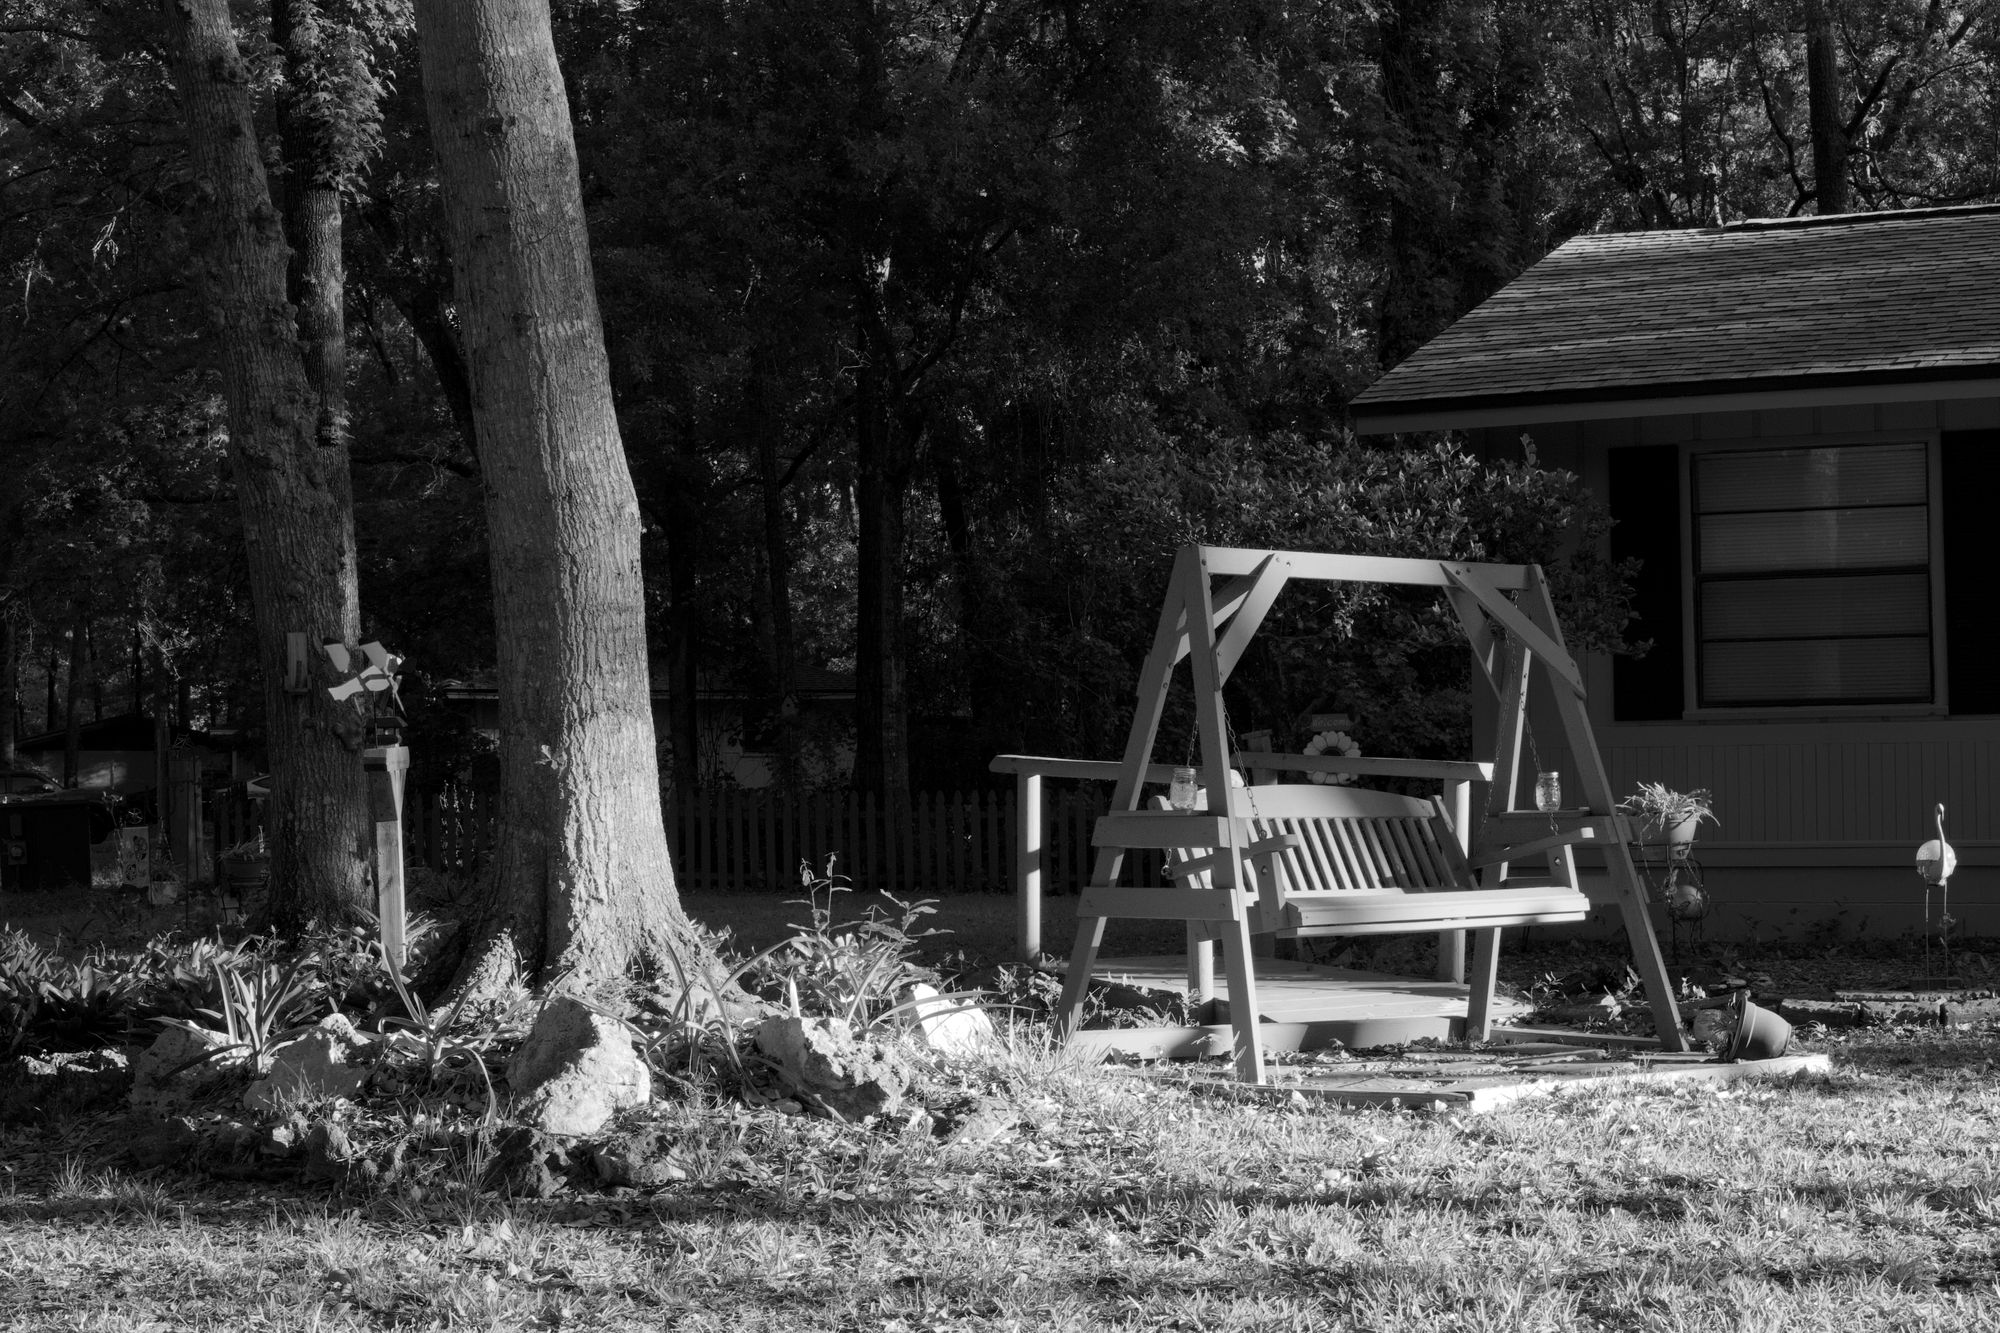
[(931, 328)]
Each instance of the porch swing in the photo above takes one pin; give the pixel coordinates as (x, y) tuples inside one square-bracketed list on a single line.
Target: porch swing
[(1304, 860)]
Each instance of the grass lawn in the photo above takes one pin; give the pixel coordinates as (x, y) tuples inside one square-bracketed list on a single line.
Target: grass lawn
[(1864, 1199)]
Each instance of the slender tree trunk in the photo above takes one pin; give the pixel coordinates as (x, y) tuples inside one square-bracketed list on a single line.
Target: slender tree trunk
[(781, 648), (684, 647), (12, 711), (884, 457), (79, 657), (10, 687), (584, 889), (1416, 299), (295, 492), (1001, 729), (881, 700), (1829, 134)]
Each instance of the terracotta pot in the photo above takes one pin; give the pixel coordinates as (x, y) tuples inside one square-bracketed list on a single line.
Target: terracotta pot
[(1760, 1034)]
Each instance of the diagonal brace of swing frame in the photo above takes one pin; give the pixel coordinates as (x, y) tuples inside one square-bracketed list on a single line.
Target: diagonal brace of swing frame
[(1217, 599)]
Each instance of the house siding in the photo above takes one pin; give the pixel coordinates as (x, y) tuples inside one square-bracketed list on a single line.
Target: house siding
[(1821, 812)]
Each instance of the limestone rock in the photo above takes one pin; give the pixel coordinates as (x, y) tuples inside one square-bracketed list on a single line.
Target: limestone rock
[(325, 1062), (329, 1152), (171, 1071), (951, 1026), (987, 1119), (61, 1083), (827, 1064), (160, 1144), (527, 1162), (637, 1154), (576, 1070)]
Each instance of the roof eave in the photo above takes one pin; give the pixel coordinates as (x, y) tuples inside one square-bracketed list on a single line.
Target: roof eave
[(1615, 401)]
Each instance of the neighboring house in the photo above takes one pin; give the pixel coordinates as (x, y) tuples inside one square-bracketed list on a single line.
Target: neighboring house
[(117, 757), (1796, 424), (116, 754)]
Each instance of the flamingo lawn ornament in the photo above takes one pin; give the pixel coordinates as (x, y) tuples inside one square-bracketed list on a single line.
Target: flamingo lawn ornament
[(1935, 862)]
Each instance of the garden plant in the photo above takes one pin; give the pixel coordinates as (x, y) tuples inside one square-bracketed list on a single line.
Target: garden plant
[(1016, 1187)]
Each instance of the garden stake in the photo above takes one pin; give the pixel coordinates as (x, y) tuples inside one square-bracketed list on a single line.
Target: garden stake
[(1935, 862)]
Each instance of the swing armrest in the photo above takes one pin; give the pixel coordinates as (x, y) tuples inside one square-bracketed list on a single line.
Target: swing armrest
[(1493, 849), (1262, 847)]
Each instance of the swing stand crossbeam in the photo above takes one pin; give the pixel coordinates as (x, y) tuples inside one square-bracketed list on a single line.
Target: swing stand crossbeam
[(1301, 861)]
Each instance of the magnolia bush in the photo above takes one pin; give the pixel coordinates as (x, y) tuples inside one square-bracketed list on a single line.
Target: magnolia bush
[(1393, 658)]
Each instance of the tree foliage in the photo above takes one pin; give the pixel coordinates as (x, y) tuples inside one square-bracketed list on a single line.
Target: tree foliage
[(932, 328)]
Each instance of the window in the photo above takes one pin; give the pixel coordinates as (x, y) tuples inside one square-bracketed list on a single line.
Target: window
[(1812, 575)]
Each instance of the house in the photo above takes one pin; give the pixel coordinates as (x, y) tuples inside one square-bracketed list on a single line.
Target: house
[(1796, 424), (118, 761), (58, 840)]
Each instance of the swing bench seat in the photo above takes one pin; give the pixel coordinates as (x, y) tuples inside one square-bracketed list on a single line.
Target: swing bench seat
[(1324, 860)]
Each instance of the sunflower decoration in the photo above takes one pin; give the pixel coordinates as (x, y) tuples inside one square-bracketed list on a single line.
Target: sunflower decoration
[(1335, 743)]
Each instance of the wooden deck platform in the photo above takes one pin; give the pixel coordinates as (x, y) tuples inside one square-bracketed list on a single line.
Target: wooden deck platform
[(1306, 1006), (1486, 1080)]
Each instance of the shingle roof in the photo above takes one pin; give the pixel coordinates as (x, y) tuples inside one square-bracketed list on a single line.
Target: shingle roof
[(1855, 299)]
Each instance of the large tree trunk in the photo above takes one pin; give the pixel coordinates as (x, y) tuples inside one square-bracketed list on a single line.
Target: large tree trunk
[(1829, 134), (583, 889), (295, 493)]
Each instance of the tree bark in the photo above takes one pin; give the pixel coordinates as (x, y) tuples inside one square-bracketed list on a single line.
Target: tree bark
[(10, 687), (296, 496), (12, 711), (316, 277), (882, 481), (1829, 133), (583, 889), (79, 656), (780, 648), (684, 646)]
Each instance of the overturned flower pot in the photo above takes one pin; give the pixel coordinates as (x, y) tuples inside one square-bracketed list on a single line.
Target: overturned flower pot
[(1760, 1034)]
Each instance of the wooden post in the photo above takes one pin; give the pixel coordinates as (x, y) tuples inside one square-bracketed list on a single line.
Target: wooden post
[(1028, 862), (386, 766), (1451, 943), (1599, 799), (1212, 728)]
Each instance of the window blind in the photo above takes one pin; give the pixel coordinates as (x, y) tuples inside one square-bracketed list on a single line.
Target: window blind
[(1812, 572)]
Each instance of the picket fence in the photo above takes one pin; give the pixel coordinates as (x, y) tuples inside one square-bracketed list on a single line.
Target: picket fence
[(746, 841)]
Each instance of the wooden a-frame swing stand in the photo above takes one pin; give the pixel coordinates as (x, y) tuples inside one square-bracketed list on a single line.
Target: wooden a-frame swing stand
[(1303, 860)]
